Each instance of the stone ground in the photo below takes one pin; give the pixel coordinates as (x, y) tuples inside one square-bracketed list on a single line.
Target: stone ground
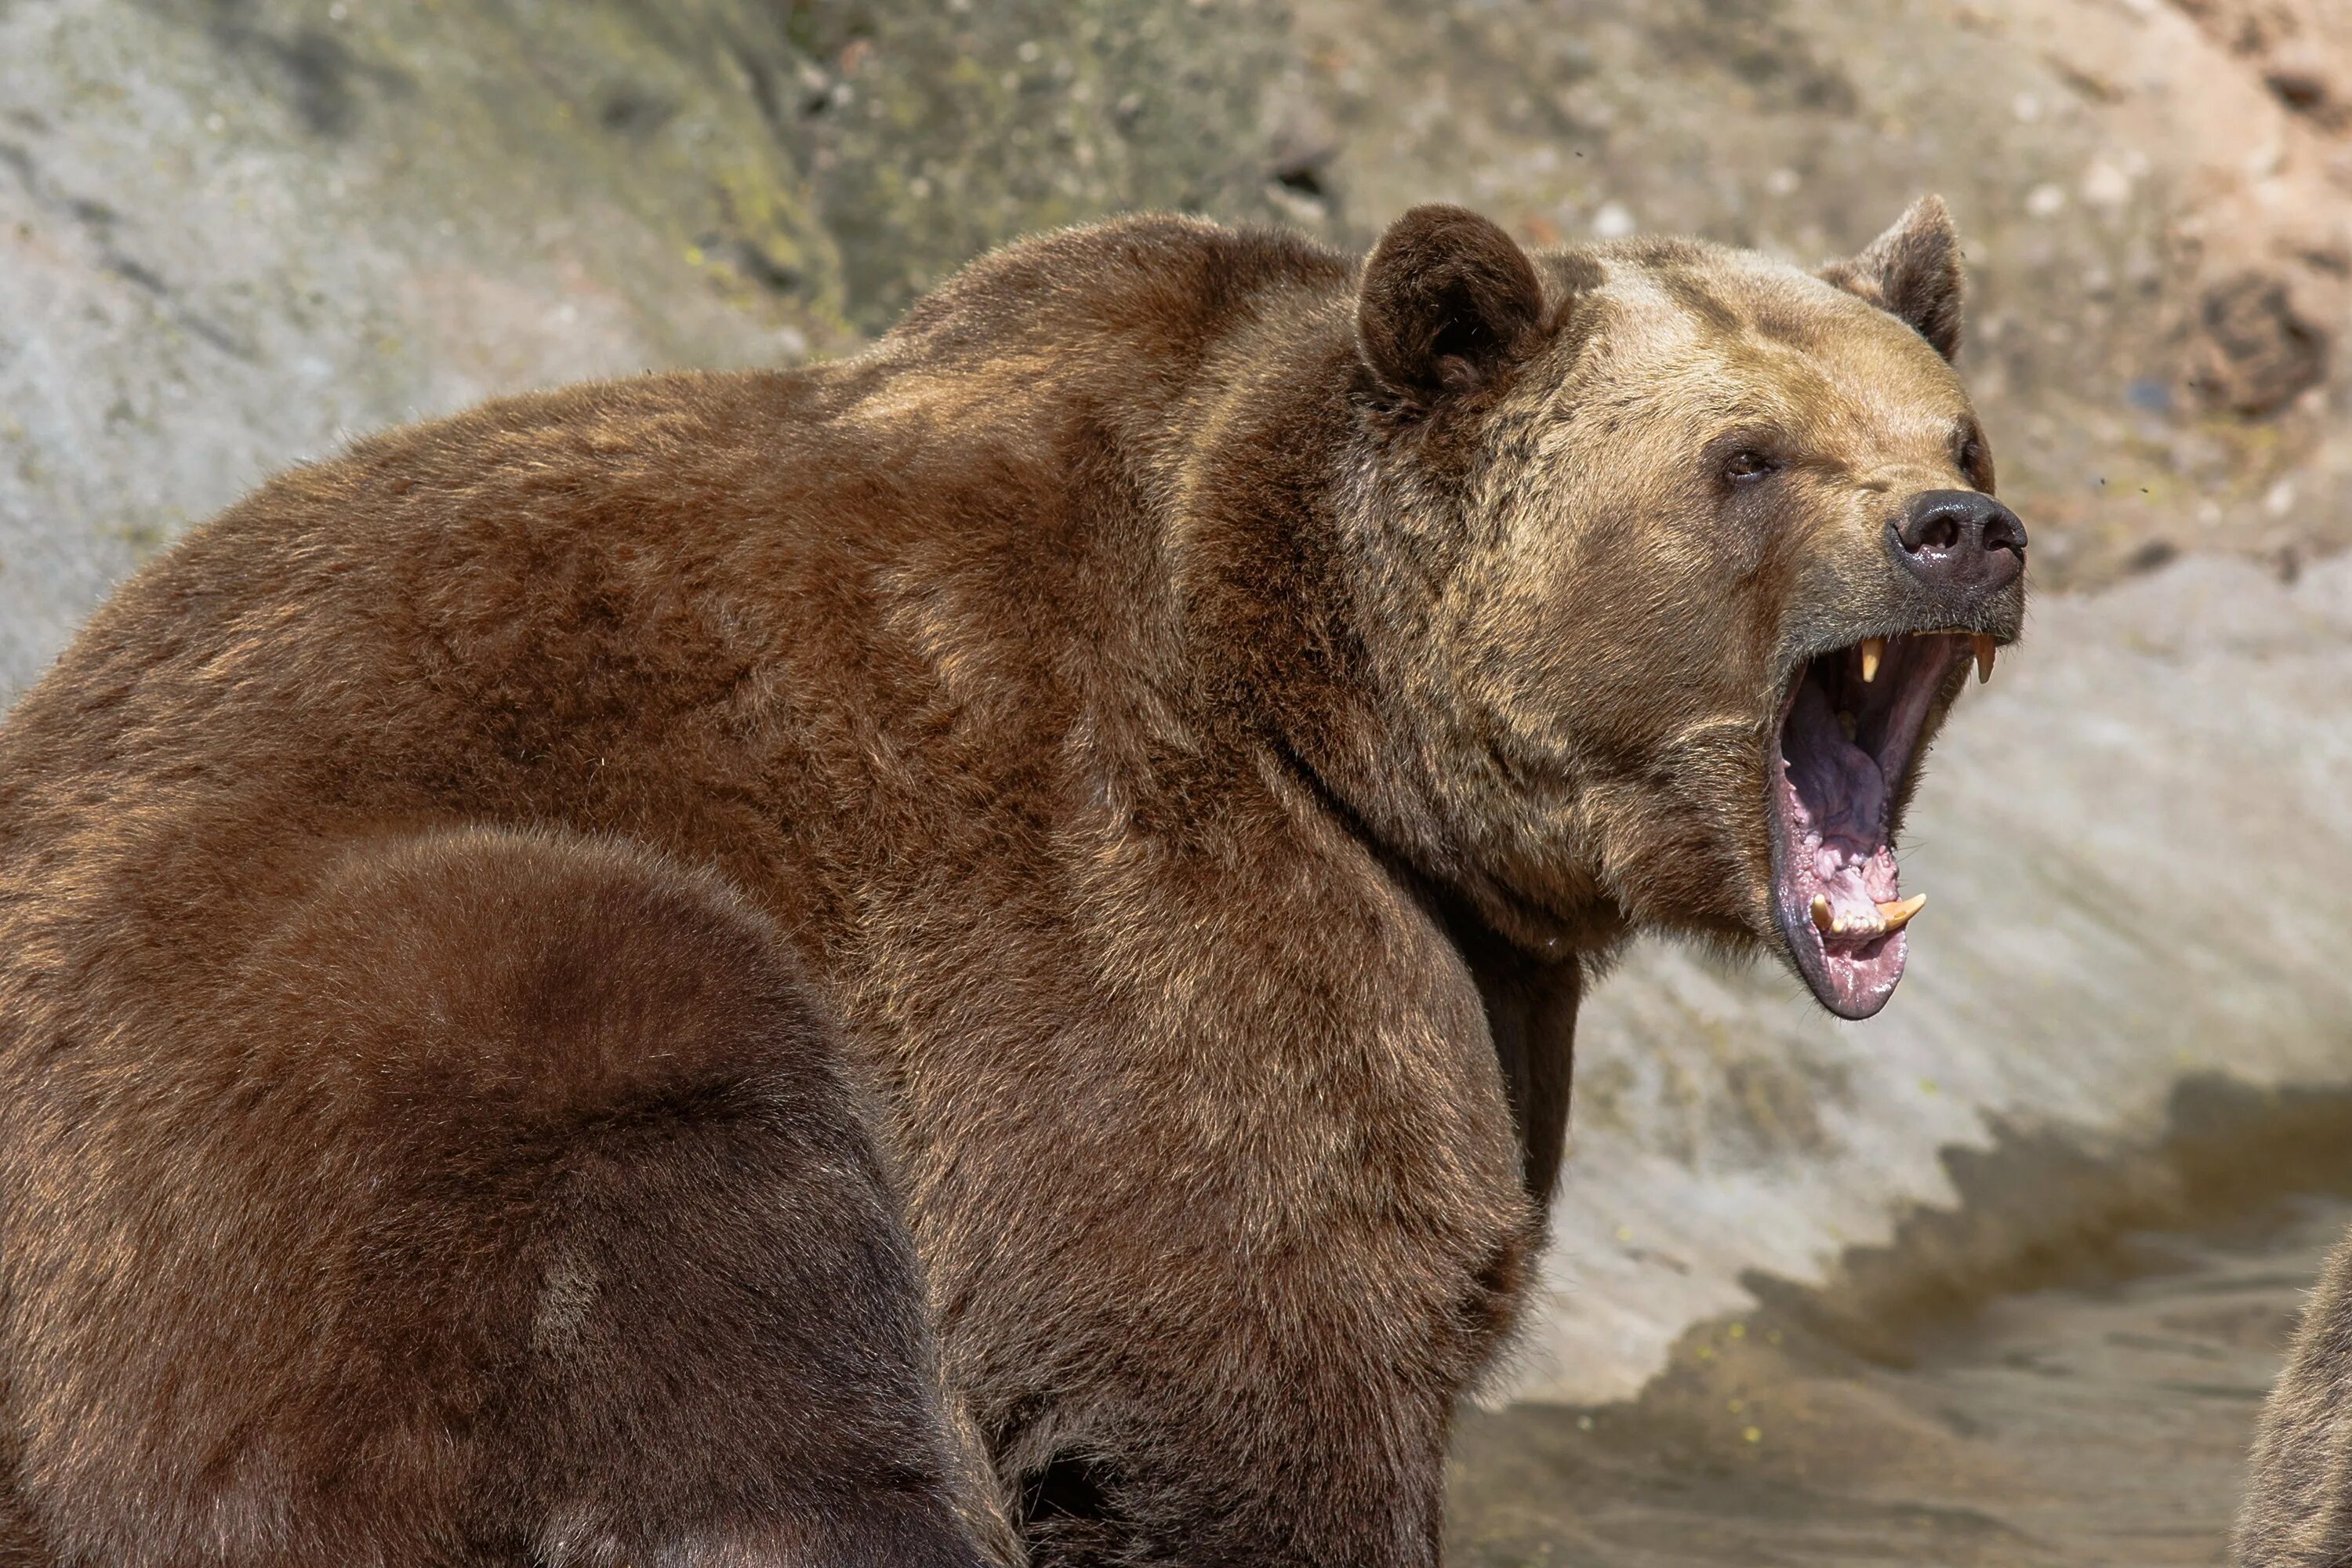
[(1960, 1397), (2095, 1424)]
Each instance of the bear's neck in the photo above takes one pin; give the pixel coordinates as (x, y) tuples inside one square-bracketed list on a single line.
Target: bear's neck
[(1289, 589)]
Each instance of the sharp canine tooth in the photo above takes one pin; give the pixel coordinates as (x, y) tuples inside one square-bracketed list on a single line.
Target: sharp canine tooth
[(1984, 658), (1898, 915), (1822, 917), (1873, 650)]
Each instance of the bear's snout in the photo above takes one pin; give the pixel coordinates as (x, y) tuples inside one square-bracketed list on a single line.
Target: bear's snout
[(1959, 541)]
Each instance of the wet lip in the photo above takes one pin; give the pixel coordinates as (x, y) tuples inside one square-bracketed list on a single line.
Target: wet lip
[(1844, 747)]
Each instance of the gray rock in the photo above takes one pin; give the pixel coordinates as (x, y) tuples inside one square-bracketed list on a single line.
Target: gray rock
[(232, 233)]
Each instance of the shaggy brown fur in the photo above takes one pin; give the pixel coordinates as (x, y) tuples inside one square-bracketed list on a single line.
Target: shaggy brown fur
[(2298, 1508), (1129, 774)]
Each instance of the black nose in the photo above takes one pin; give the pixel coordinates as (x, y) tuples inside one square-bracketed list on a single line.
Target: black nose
[(1962, 541)]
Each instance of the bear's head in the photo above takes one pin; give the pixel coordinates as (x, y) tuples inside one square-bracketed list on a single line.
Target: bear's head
[(1694, 549)]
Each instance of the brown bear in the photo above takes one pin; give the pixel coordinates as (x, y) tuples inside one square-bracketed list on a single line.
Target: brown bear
[(963, 956), (2298, 1507)]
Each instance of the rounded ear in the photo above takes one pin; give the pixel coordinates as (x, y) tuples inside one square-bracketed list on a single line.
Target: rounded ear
[(1448, 302), (1912, 271)]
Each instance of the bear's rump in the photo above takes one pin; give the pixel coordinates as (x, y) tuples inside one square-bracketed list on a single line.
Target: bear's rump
[(506, 1196)]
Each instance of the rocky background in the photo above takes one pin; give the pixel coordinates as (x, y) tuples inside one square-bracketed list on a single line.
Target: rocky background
[(234, 232)]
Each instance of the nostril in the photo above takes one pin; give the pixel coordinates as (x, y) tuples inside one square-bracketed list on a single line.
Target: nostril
[(1958, 539), (1935, 523), (1959, 522)]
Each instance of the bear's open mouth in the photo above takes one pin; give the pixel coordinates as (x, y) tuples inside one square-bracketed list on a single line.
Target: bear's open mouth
[(1850, 728)]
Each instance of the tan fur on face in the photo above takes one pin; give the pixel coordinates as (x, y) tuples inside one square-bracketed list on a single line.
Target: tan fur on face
[(1600, 562)]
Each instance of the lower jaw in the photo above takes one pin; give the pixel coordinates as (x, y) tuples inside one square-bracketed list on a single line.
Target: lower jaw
[(1843, 750), (1853, 983)]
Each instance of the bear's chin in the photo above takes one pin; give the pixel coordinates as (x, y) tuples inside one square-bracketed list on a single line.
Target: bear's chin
[(1845, 746)]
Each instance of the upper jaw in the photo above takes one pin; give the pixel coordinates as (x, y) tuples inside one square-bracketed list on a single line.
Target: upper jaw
[(1839, 764)]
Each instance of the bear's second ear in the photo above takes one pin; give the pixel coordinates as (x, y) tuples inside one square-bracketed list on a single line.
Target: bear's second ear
[(1913, 272), (1448, 302)]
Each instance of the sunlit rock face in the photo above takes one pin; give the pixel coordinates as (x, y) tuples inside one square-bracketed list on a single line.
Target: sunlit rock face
[(234, 234), (231, 236)]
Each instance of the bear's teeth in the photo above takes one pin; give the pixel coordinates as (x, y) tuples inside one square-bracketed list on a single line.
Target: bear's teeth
[(1984, 658), (1898, 915), (1873, 650), (1892, 917)]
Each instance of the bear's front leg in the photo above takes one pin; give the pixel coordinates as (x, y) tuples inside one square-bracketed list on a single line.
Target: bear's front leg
[(1297, 1419), (1234, 1331)]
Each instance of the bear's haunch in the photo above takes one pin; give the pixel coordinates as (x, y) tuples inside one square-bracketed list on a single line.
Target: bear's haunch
[(510, 1204)]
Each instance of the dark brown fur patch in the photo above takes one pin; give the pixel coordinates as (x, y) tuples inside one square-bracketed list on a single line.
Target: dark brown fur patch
[(1448, 302)]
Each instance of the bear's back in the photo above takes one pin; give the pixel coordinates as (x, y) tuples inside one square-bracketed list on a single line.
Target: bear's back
[(776, 623)]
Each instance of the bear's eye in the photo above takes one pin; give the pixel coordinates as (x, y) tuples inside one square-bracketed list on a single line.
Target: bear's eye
[(1747, 465)]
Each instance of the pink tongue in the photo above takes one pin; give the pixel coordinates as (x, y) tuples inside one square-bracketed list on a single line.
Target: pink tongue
[(1844, 795)]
